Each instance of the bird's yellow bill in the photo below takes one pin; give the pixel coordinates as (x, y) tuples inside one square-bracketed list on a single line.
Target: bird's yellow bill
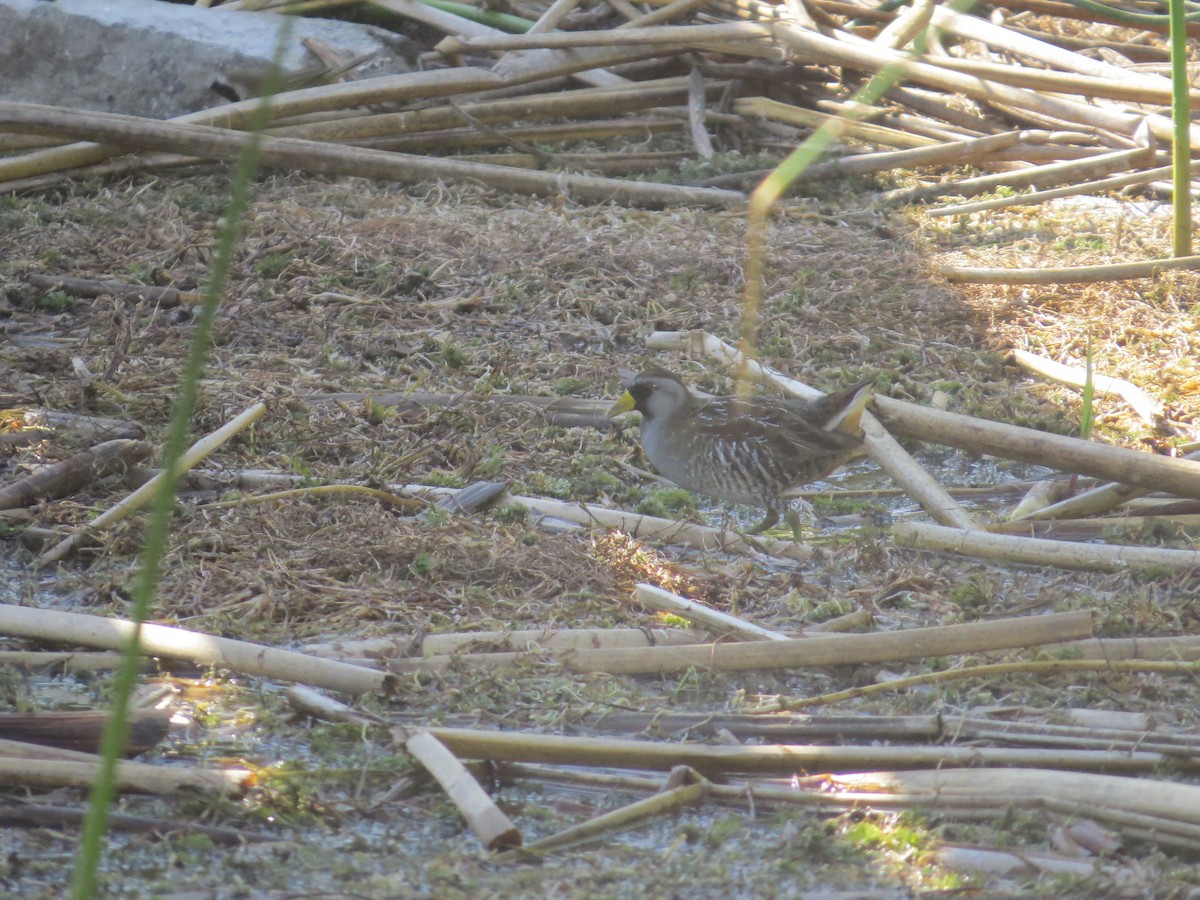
[(624, 405)]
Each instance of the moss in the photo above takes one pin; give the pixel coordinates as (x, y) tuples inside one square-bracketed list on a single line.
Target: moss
[(667, 502)]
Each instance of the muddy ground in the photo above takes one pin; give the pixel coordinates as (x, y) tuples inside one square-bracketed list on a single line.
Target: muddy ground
[(352, 286)]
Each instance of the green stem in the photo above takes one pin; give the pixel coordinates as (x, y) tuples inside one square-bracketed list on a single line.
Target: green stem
[(768, 192), (1134, 18), (503, 21), (84, 883), (1181, 143)]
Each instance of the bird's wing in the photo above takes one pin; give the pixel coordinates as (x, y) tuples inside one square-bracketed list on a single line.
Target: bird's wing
[(768, 426)]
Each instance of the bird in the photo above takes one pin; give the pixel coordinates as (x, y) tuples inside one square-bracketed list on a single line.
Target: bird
[(744, 450)]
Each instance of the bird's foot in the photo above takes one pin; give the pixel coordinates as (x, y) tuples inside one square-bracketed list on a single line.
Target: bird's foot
[(769, 520)]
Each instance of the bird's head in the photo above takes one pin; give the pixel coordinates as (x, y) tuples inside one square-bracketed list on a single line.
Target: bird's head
[(655, 392)]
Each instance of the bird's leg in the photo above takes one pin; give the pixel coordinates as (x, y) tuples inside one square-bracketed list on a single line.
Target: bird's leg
[(770, 519), (793, 518)]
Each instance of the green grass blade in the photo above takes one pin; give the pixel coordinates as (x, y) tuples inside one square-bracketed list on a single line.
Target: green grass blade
[(1181, 143), (84, 883)]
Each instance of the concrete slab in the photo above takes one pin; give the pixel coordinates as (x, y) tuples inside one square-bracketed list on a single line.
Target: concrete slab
[(157, 59)]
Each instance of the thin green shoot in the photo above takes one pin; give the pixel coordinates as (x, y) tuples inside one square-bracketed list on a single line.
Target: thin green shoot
[(1181, 137), (84, 883), (1087, 416)]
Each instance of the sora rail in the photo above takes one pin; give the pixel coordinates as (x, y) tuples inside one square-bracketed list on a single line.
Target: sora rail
[(749, 450)]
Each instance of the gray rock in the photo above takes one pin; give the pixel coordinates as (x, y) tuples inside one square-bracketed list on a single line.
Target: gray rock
[(157, 59)]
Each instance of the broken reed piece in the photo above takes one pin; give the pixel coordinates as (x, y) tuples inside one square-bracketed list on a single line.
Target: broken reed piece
[(1086, 187), (655, 598), (684, 787), (84, 429), (882, 447), (1070, 274), (334, 159), (637, 525), (1037, 498), (314, 703), (82, 730), (522, 640), (192, 457), (1171, 800), (1042, 552), (179, 643), (1156, 473), (1098, 499), (814, 650), (40, 815), (601, 101), (482, 814), (164, 297), (714, 761), (36, 765), (983, 861), (1147, 408), (1041, 176), (66, 661), (68, 477), (1101, 528)]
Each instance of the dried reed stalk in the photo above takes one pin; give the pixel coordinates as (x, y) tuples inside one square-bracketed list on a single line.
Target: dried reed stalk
[(1183, 647), (1169, 800), (72, 475), (178, 643), (1176, 476), (51, 768), (420, 86), (1040, 552), (163, 297), (818, 650), (636, 525), (958, 152), (655, 598), (473, 137), (789, 114), (65, 660), (665, 801), (194, 455), (1086, 187), (784, 759), (1070, 275), (975, 28), (1147, 408), (575, 104), (482, 814), (329, 159), (519, 641), (1033, 176), (1156, 91)]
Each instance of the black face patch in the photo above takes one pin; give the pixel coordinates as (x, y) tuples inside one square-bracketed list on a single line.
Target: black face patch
[(640, 391)]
